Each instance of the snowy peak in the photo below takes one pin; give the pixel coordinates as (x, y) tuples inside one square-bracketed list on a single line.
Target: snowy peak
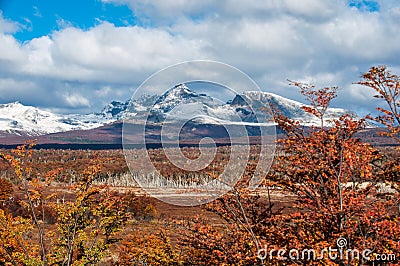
[(11, 105), (257, 100), (180, 94), (18, 119), (115, 109), (287, 107)]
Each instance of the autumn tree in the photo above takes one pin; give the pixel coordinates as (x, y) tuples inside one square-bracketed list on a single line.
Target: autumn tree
[(333, 176), (338, 194), (86, 224), (387, 87)]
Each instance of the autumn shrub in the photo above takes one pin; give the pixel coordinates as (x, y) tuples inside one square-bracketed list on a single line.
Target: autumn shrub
[(143, 248), (206, 244), (16, 207), (13, 246), (140, 206), (6, 191)]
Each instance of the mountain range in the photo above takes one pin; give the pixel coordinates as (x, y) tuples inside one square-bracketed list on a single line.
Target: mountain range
[(176, 104)]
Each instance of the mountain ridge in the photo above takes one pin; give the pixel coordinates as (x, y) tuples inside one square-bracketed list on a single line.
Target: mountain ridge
[(177, 103)]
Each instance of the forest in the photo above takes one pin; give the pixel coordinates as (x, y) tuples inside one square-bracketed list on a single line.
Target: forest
[(328, 199)]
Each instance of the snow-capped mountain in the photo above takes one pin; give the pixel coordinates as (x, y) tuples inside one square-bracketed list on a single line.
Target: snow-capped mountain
[(181, 103), (179, 94), (252, 105), (178, 103), (18, 119), (114, 110)]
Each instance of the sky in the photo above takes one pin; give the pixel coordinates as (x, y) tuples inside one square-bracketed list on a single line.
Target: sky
[(76, 56)]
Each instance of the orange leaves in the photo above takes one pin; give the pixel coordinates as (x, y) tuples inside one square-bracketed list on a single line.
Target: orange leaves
[(205, 244), (387, 87), (12, 244), (335, 179), (319, 99), (149, 249), (6, 190)]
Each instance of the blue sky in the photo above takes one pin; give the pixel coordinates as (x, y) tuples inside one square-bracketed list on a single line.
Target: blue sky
[(41, 17), (365, 5), (76, 56)]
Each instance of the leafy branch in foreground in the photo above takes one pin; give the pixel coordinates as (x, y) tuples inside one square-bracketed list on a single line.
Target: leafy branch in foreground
[(387, 87)]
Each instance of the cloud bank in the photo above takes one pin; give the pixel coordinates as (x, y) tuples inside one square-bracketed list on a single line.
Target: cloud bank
[(324, 42)]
